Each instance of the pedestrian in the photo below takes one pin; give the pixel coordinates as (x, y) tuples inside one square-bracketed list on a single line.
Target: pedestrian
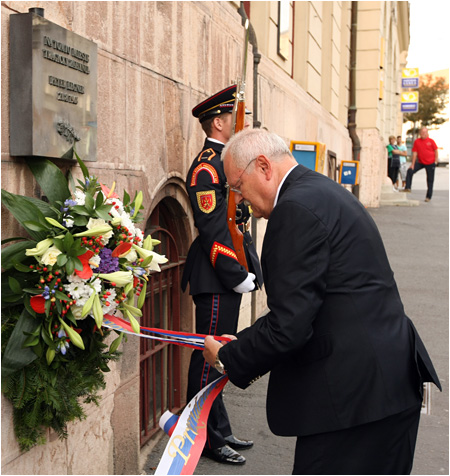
[(393, 161), (424, 156), (403, 163), (347, 365), (216, 279)]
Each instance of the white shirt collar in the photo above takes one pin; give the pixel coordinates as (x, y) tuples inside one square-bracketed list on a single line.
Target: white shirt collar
[(215, 140), (281, 184)]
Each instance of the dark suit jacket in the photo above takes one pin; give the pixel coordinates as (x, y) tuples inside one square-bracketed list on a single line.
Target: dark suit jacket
[(339, 346), (211, 264)]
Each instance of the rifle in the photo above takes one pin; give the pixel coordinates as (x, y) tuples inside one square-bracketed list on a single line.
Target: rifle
[(238, 119)]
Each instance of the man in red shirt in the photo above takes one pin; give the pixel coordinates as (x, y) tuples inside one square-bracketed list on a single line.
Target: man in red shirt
[(424, 156)]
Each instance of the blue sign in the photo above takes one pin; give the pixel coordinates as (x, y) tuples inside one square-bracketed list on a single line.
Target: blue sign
[(349, 172), (410, 83), (410, 107)]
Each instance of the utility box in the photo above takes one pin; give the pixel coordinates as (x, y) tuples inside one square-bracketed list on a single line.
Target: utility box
[(309, 154), (349, 172)]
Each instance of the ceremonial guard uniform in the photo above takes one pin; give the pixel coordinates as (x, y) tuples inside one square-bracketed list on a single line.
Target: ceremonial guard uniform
[(213, 270)]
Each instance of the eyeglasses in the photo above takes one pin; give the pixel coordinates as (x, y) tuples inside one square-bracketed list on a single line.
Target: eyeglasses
[(236, 186)]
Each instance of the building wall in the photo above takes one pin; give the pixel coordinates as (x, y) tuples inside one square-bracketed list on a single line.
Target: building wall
[(157, 60)]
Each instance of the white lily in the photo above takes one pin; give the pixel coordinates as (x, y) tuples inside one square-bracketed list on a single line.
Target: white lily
[(121, 278), (40, 249), (149, 243), (95, 231), (157, 259)]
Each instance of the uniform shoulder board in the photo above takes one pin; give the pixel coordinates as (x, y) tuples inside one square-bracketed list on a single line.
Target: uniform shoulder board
[(207, 154)]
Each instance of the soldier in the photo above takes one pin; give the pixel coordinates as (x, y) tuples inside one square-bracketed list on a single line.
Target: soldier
[(217, 280)]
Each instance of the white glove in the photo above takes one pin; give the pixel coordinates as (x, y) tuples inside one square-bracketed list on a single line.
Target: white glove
[(247, 285)]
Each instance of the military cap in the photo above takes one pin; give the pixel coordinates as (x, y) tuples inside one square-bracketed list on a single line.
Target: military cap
[(218, 103)]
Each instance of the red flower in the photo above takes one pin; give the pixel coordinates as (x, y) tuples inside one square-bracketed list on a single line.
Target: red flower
[(107, 192), (38, 303), (122, 249), (86, 272)]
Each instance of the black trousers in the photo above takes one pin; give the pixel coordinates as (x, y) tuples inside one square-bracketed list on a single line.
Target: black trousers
[(381, 447), (430, 169), (215, 314)]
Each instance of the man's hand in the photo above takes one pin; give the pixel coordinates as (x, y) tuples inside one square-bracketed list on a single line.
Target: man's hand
[(212, 347)]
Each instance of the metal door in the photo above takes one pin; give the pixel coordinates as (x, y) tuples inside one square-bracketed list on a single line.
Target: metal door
[(160, 379)]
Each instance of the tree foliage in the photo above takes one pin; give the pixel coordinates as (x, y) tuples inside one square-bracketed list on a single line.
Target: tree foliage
[(433, 98)]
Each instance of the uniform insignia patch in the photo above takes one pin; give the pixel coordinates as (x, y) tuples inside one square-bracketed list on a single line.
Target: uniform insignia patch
[(207, 154), (206, 201), (218, 249), (207, 168)]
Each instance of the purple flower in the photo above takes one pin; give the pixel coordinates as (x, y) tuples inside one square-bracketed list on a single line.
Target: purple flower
[(108, 264)]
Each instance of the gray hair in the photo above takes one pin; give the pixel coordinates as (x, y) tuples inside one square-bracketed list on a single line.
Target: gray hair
[(249, 144)]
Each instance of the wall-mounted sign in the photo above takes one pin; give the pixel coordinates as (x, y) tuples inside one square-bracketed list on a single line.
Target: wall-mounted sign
[(348, 172), (53, 90), (410, 78), (410, 101), (309, 154)]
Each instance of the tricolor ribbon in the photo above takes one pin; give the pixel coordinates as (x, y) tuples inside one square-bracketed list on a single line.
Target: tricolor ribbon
[(188, 434), (186, 339)]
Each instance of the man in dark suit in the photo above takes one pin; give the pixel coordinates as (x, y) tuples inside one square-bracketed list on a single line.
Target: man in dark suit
[(347, 365), (216, 278)]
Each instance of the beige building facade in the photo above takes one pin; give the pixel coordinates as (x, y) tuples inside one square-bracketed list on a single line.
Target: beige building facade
[(156, 61)]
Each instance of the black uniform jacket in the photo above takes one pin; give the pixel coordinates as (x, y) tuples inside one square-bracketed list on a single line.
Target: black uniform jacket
[(336, 339), (212, 265)]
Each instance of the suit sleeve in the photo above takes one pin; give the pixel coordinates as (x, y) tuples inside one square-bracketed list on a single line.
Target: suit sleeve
[(295, 260), (208, 199)]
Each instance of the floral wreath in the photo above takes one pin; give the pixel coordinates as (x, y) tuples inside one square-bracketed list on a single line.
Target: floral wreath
[(86, 258)]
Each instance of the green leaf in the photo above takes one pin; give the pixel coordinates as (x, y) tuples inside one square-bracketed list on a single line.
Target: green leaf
[(61, 260), (81, 164), (73, 335), (23, 210), (55, 223), (58, 244), (22, 268), (50, 178), (61, 295), (15, 238), (46, 209), (115, 343), (32, 290), (102, 213), (99, 200), (142, 296), (80, 221), (134, 310), (89, 202), (81, 210), (31, 341), (35, 226), (97, 311), (126, 198), (70, 266), (68, 241), (50, 355), (15, 253), (134, 323), (88, 305), (14, 285), (16, 357)]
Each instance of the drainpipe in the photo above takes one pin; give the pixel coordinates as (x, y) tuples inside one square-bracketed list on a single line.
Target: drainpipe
[(356, 144), (256, 122)]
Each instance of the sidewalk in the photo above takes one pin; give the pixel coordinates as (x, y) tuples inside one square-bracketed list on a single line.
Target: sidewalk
[(417, 242)]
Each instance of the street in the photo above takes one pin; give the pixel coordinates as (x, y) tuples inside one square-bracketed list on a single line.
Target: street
[(416, 240)]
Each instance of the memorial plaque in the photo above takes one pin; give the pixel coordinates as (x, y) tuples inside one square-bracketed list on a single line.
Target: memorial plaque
[(53, 90)]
